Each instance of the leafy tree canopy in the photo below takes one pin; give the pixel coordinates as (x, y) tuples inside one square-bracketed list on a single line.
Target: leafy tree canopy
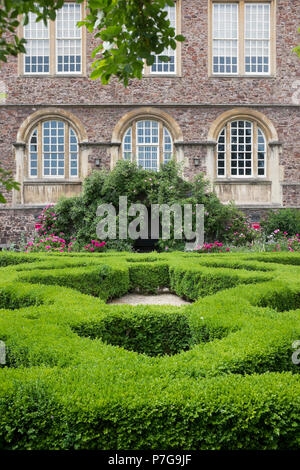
[(130, 32)]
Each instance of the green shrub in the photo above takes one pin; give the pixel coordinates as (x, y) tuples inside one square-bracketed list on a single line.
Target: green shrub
[(76, 217), (142, 330), (215, 374), (18, 296), (285, 220), (282, 258), (149, 278), (192, 283), (101, 281), (7, 259)]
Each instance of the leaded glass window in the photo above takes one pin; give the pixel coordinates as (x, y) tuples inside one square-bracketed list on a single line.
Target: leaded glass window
[(149, 143), (241, 150), (53, 151)]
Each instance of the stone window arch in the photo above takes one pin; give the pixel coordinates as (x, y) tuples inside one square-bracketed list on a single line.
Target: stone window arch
[(51, 158), (149, 137), (241, 150), (51, 140), (53, 150), (243, 144)]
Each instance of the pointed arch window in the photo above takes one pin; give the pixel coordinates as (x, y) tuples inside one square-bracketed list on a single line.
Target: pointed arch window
[(53, 151), (241, 150), (148, 143)]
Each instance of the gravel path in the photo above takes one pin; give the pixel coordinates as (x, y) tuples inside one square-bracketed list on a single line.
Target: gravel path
[(160, 299)]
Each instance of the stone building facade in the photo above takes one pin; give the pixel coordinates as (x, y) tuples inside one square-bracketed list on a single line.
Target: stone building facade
[(226, 104)]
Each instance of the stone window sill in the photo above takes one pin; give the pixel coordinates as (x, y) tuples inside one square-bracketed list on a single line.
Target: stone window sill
[(79, 75), (49, 181), (243, 181), (260, 77), (162, 75)]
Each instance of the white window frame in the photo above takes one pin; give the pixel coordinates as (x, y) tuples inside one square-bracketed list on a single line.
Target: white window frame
[(244, 152), (248, 4), (53, 57), (37, 152), (50, 143), (38, 26), (169, 52), (70, 130), (224, 40), (39, 127), (241, 46), (135, 144), (254, 153), (224, 152), (147, 70), (57, 39), (265, 152)]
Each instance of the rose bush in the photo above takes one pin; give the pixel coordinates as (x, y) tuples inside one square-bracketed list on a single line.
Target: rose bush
[(216, 247)]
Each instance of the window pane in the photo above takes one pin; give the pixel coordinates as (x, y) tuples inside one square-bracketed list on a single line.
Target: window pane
[(167, 146), (225, 38), (36, 59), (68, 35), (241, 154), (33, 154), (147, 132), (257, 38), (53, 160), (221, 153), (127, 145), (148, 157), (261, 154), (147, 143), (167, 67), (73, 144)]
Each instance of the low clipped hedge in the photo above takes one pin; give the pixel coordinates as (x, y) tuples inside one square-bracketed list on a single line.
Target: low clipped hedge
[(195, 283), (214, 374), (7, 259), (149, 278), (146, 331), (100, 281)]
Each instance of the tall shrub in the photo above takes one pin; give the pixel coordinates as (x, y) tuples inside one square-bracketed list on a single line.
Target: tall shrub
[(285, 220), (76, 217)]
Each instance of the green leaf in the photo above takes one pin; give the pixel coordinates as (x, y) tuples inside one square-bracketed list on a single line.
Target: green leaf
[(180, 37)]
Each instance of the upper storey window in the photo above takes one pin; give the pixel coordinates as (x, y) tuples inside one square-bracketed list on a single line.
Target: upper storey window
[(68, 39), (167, 67), (37, 58), (225, 38), (242, 38), (257, 38), (57, 47), (173, 66)]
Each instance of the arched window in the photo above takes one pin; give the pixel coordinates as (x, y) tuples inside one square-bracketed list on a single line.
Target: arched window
[(53, 151), (241, 150), (147, 142)]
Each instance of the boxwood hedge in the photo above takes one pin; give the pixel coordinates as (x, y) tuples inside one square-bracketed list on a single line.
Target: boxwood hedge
[(217, 373)]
